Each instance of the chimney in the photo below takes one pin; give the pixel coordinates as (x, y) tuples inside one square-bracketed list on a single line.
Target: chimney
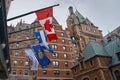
[(71, 10)]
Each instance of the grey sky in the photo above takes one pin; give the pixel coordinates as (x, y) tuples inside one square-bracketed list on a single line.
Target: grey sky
[(103, 13)]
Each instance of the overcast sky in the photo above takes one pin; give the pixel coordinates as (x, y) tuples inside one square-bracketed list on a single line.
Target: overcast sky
[(102, 13)]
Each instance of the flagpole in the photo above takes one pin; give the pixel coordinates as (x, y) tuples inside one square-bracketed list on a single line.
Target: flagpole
[(30, 12)]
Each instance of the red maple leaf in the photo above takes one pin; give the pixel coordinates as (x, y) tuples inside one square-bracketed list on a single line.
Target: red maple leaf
[(47, 25)]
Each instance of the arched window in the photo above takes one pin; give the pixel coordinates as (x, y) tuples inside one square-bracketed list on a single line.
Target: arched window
[(65, 55), (26, 63), (56, 55), (16, 53), (86, 79), (26, 72), (55, 63), (117, 74), (15, 62)]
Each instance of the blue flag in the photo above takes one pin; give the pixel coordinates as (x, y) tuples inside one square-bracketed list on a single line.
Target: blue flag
[(46, 46), (42, 37), (40, 55)]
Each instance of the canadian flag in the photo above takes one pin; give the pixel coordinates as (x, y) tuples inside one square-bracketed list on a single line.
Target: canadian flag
[(45, 19)]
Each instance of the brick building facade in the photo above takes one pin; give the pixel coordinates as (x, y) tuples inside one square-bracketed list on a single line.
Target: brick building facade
[(59, 69), (81, 30), (98, 60)]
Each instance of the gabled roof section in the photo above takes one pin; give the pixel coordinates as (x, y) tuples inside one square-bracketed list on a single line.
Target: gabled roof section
[(112, 48), (81, 18), (92, 49)]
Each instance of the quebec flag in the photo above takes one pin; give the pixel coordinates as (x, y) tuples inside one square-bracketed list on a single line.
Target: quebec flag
[(40, 55), (42, 37)]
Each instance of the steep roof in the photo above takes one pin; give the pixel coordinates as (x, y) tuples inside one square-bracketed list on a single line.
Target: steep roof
[(92, 49), (112, 48), (81, 18)]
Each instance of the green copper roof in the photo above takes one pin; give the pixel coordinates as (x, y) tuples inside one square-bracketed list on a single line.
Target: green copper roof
[(81, 18), (112, 48), (76, 63), (76, 21), (93, 48)]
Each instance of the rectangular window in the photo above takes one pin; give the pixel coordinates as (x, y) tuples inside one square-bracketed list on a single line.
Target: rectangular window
[(55, 63), (64, 48), (66, 64), (91, 63), (13, 72), (56, 72), (63, 40), (95, 78), (75, 45), (54, 47), (26, 63), (44, 71), (27, 37), (26, 72), (16, 53), (82, 65), (62, 34), (65, 55), (67, 72), (56, 55), (75, 70), (82, 45), (17, 45), (18, 37), (15, 62)]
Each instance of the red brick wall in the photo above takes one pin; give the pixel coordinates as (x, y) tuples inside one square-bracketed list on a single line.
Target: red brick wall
[(105, 61), (94, 70), (91, 75)]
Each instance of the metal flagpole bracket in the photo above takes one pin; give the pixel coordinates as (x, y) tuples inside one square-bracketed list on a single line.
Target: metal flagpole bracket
[(30, 12)]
